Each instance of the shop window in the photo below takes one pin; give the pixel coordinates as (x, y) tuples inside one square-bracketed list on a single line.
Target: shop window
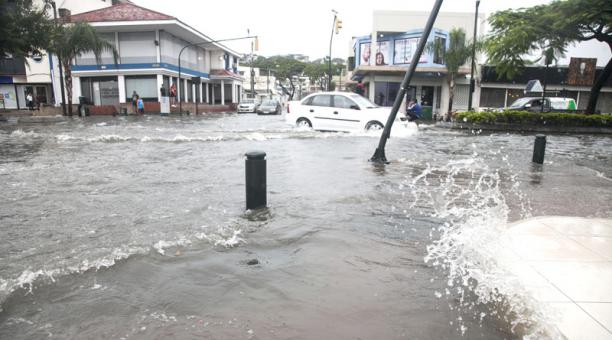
[(145, 87), (492, 97)]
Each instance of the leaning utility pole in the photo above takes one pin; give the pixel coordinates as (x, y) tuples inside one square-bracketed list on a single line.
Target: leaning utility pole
[(379, 154)]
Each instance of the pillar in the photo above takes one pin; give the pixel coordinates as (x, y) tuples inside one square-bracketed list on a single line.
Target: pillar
[(160, 82), (213, 94), (121, 88), (222, 92), (207, 96)]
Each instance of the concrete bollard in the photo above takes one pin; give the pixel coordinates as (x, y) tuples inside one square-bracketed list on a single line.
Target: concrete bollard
[(255, 175), (539, 148)]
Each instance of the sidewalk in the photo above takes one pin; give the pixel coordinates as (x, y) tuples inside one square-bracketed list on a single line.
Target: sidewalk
[(566, 264)]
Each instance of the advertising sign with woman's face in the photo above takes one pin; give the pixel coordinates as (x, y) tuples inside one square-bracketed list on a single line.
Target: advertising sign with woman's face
[(383, 50), (365, 52)]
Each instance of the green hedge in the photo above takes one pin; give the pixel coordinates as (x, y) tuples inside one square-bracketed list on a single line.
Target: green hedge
[(530, 118)]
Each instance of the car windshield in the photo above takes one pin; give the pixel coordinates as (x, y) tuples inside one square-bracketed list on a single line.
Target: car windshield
[(248, 101), (520, 102), (363, 102), (268, 103)]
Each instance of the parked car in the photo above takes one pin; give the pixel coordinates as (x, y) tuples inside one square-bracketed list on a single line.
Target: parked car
[(269, 106), (534, 104), (247, 105), (337, 111)]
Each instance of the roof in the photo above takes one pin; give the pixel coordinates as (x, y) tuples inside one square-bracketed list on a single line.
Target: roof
[(120, 12), (219, 74)]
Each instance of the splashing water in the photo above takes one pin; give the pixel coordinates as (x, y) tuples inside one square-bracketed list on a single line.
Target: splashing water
[(466, 196)]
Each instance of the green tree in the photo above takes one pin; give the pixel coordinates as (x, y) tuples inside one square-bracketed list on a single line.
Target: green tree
[(71, 41), (457, 54), (517, 33), (24, 29)]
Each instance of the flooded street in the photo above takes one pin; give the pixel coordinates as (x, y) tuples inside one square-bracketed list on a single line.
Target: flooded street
[(135, 228)]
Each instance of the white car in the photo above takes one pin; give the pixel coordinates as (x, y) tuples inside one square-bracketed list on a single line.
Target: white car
[(338, 111), (247, 105)]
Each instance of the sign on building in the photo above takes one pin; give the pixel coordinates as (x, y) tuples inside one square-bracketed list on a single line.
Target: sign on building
[(581, 71)]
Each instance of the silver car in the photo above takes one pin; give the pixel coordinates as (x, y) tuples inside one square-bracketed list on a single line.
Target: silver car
[(269, 106)]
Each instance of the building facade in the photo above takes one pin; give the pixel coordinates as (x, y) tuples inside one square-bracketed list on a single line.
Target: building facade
[(380, 60), (148, 45)]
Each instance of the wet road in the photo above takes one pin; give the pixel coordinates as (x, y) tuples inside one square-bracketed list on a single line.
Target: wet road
[(135, 228)]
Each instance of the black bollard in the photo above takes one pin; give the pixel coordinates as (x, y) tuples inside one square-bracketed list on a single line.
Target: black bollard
[(539, 148), (255, 170)]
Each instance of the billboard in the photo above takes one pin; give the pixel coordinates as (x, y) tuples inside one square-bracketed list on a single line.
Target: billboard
[(404, 49), (364, 54), (383, 52)]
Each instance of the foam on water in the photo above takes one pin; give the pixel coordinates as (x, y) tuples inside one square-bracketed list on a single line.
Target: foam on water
[(466, 196)]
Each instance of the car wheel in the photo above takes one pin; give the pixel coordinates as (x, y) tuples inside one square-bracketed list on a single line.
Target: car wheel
[(303, 122), (374, 126)]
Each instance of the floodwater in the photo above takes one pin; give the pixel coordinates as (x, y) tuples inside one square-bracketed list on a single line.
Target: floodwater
[(135, 228)]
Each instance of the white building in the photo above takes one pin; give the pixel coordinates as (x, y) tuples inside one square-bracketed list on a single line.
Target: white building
[(264, 84), (394, 38), (148, 44)]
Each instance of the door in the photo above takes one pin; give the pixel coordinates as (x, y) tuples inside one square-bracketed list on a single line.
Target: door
[(321, 110), (347, 114)]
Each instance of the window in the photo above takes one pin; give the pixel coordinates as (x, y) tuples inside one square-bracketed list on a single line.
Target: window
[(145, 87), (106, 57), (321, 100), (440, 51), (137, 47), (343, 103)]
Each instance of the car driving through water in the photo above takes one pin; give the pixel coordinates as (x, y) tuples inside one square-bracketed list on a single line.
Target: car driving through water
[(339, 111)]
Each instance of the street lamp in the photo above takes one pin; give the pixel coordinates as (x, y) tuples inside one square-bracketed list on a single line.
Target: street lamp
[(335, 27), (198, 44), (59, 61), (379, 154), (472, 82)]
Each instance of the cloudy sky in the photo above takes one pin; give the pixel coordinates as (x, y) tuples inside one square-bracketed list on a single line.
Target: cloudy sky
[(304, 27)]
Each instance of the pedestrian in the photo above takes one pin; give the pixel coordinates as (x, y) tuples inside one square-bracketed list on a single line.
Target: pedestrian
[(413, 112), (30, 101), (173, 94), (140, 106), (135, 97)]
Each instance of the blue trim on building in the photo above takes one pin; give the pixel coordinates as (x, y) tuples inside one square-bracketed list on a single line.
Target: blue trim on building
[(400, 36), (6, 80), (141, 66)]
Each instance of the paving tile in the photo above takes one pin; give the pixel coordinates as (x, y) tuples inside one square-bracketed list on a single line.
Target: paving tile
[(599, 245), (580, 281), (535, 284), (532, 227), (575, 324), (601, 312), (577, 226), (551, 248)]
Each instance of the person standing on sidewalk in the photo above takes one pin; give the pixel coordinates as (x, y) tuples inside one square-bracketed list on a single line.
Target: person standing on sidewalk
[(30, 101), (135, 101), (140, 106)]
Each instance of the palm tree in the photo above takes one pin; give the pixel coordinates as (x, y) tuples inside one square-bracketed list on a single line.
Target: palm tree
[(458, 53), (70, 41)]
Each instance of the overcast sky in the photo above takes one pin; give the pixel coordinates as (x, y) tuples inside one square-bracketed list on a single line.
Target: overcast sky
[(303, 27)]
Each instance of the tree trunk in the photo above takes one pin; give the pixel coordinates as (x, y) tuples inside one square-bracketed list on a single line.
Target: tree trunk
[(68, 84), (596, 89), (451, 95)]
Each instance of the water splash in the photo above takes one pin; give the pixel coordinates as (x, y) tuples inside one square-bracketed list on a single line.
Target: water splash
[(467, 197)]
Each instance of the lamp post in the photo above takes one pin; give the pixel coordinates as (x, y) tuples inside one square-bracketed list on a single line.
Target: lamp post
[(472, 82), (379, 153), (331, 38), (59, 60), (198, 44)]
